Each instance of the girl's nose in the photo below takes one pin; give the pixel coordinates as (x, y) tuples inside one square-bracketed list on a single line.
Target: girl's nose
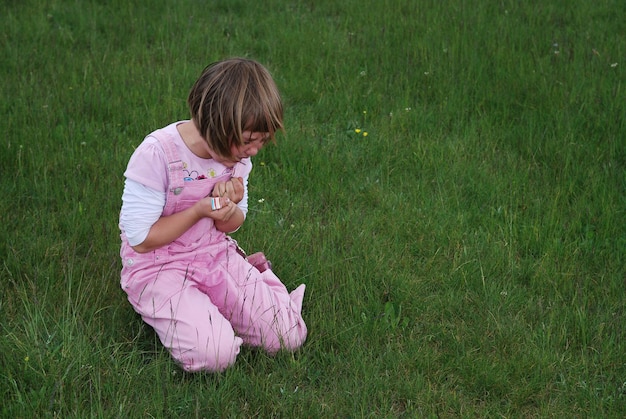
[(252, 150)]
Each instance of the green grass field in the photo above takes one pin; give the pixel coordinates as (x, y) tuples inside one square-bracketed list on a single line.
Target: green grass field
[(465, 258)]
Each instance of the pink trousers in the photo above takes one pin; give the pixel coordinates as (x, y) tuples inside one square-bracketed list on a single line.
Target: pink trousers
[(203, 312)]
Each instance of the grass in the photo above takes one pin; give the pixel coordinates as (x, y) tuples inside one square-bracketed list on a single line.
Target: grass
[(465, 258)]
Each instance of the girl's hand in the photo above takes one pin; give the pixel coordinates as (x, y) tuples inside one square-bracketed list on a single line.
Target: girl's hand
[(223, 214), (227, 219), (232, 189)]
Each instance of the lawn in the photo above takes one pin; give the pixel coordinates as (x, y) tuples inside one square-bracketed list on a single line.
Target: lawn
[(451, 187)]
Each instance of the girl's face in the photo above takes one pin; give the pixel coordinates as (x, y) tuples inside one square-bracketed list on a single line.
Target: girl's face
[(252, 143)]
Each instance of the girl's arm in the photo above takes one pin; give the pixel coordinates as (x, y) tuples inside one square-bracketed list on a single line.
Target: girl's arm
[(169, 228), (233, 223)]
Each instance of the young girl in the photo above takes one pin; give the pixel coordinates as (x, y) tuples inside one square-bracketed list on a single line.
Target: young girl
[(185, 188)]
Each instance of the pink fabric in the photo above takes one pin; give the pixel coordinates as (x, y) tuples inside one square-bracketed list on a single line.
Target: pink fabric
[(204, 299), (147, 163)]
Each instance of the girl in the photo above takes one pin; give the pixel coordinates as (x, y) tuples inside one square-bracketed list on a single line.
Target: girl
[(185, 188)]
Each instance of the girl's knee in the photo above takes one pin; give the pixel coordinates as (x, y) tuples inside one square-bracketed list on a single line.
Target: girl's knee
[(211, 358), (289, 340), (294, 341)]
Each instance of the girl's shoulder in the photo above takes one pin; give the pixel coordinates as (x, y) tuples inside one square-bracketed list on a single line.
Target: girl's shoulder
[(148, 163), (165, 135)]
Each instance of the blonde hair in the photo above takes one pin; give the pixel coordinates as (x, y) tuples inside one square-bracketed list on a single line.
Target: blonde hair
[(233, 96)]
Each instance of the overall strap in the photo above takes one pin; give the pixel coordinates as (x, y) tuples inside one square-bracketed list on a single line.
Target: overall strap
[(175, 182), (175, 178)]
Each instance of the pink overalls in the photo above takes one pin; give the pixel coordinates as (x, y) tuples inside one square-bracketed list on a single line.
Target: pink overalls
[(204, 299)]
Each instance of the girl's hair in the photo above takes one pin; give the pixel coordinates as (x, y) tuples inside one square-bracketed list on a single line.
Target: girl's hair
[(233, 96)]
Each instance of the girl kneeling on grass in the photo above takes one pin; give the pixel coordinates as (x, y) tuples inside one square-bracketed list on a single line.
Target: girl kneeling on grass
[(182, 273)]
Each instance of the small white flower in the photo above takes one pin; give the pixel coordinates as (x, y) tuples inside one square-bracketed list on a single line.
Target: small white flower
[(613, 65), (261, 200)]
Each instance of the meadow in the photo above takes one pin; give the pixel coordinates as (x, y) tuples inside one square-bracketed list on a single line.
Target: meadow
[(451, 187)]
